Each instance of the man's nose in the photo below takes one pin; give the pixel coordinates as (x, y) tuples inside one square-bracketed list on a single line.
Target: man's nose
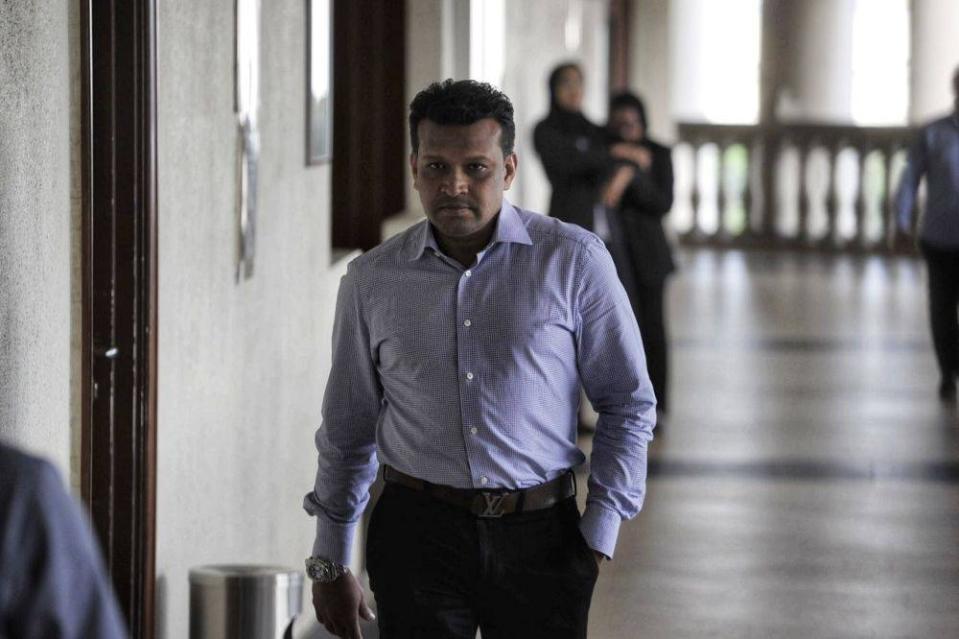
[(455, 183)]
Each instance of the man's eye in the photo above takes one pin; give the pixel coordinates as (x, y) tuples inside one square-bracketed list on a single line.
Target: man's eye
[(435, 166), (476, 168)]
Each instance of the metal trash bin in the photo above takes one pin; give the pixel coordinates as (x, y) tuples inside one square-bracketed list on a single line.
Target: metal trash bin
[(243, 602)]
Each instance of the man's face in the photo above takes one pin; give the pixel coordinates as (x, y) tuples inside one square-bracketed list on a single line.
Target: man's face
[(626, 123), (460, 173)]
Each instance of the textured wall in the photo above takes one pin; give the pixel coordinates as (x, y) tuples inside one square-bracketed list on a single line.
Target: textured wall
[(242, 366), (38, 99)]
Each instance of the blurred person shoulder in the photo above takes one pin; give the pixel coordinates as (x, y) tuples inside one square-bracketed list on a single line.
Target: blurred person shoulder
[(656, 146), (943, 125), (51, 575), (22, 473)]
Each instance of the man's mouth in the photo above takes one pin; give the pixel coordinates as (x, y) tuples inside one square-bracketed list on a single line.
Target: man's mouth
[(455, 207)]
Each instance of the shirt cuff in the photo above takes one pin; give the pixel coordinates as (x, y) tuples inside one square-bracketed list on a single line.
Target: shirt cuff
[(334, 541), (600, 528)]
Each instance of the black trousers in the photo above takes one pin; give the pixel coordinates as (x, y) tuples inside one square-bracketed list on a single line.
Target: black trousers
[(943, 266), (439, 572), (647, 297), (650, 310)]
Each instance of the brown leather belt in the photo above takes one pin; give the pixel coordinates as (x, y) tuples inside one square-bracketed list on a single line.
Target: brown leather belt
[(493, 503)]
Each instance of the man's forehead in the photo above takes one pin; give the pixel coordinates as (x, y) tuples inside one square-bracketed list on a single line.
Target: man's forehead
[(479, 133)]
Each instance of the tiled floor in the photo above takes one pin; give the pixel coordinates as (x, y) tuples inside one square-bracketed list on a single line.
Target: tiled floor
[(807, 482)]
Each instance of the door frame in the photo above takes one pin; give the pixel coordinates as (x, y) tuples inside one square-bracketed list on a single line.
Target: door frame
[(369, 112), (119, 294)]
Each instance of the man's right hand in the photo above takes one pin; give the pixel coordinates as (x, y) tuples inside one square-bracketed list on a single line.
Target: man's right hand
[(339, 605)]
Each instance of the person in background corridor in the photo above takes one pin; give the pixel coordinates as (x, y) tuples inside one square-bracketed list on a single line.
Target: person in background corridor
[(52, 581), (574, 151), (459, 350), (641, 192), (935, 155)]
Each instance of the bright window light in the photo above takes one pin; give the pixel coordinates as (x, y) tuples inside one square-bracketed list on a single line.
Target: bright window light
[(716, 53), (880, 62), (487, 40)]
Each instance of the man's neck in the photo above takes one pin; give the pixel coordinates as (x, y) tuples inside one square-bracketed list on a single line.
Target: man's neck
[(465, 249)]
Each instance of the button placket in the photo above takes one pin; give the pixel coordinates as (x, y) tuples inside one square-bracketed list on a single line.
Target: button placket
[(467, 361)]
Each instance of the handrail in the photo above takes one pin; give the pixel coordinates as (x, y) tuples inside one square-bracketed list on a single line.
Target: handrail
[(803, 185)]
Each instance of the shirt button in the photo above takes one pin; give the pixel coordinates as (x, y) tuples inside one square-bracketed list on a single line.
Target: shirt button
[(484, 480), (474, 430), (469, 376), (468, 273), (467, 323)]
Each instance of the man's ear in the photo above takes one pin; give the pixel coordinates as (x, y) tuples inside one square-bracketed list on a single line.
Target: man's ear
[(511, 162), (413, 166)]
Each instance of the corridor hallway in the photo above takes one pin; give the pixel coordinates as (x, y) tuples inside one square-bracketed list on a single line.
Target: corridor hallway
[(807, 482)]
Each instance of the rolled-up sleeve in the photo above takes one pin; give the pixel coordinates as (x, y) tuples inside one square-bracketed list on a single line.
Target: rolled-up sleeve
[(612, 366), (346, 439)]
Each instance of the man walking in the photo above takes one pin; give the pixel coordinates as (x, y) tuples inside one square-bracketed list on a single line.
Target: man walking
[(459, 349), (935, 155)]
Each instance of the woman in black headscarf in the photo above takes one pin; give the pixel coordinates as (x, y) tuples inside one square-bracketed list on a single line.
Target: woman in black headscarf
[(573, 149), (641, 191)]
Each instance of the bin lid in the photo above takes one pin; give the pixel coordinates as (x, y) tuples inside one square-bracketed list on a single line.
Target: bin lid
[(248, 574)]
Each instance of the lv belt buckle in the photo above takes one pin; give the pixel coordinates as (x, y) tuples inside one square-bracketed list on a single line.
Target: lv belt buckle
[(494, 504)]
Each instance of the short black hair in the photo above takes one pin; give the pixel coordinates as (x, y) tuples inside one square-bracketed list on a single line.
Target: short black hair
[(462, 102), (627, 100)]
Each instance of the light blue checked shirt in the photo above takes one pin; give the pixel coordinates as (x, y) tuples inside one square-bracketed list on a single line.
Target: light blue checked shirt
[(470, 377), (935, 155)]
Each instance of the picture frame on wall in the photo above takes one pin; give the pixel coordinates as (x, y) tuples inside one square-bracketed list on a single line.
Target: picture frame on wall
[(319, 69)]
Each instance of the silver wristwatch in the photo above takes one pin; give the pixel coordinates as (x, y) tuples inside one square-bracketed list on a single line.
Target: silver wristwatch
[(324, 570)]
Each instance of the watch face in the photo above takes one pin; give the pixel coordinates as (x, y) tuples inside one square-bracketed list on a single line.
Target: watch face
[(322, 570)]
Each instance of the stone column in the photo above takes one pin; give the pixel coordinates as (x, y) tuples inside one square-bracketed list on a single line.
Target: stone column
[(649, 64), (816, 66), (934, 57)]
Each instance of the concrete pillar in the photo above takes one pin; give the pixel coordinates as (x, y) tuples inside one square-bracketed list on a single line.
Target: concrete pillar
[(934, 57), (539, 35), (817, 69), (649, 67), (437, 41)]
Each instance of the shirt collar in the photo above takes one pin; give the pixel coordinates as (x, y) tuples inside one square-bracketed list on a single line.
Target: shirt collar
[(509, 228)]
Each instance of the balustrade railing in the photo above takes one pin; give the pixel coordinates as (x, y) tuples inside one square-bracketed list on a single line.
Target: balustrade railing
[(791, 185)]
